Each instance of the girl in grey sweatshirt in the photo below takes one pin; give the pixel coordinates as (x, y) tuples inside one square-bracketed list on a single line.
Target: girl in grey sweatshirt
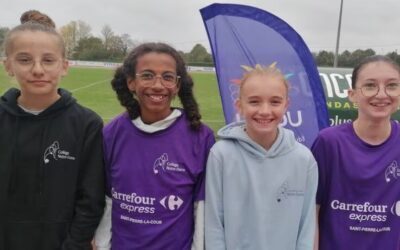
[(260, 182)]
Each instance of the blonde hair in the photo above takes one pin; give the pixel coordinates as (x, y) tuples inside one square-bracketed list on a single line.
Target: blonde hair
[(33, 20), (268, 70)]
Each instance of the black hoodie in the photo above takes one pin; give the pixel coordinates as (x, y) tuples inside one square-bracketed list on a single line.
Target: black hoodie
[(51, 175)]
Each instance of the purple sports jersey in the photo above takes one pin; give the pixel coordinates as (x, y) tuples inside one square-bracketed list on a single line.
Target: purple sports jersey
[(359, 190), (154, 179)]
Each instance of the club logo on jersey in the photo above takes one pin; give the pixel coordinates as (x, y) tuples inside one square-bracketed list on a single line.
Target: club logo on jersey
[(284, 192), (392, 172), (171, 202), (54, 152), (162, 163)]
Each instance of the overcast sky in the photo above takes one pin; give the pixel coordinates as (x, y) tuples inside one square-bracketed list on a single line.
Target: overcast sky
[(365, 23)]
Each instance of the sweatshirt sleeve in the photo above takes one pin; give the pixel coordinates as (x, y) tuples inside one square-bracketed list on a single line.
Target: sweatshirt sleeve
[(198, 235), (320, 152), (199, 191), (305, 239), (214, 213), (102, 237), (89, 199)]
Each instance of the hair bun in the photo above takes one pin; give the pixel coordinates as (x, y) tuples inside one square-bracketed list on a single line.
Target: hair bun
[(37, 17)]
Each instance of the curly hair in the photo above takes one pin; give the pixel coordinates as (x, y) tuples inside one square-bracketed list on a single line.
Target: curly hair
[(128, 69), (33, 20)]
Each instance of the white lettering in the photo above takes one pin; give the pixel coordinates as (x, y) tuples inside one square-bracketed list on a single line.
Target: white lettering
[(137, 209), (328, 86), (133, 198), (332, 85), (337, 120), (364, 208), (140, 221), (287, 118)]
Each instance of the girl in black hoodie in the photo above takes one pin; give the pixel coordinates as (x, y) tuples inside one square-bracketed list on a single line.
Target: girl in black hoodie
[(51, 168)]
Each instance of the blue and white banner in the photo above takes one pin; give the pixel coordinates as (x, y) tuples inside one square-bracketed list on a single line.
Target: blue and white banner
[(245, 36)]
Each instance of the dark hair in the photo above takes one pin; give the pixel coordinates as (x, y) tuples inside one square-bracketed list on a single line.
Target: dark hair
[(368, 60), (128, 69), (33, 20)]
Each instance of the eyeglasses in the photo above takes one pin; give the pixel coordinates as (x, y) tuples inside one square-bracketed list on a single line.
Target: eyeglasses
[(47, 64), (391, 89), (168, 80)]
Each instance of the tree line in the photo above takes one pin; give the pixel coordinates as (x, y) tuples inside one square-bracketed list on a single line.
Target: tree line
[(348, 59), (82, 45)]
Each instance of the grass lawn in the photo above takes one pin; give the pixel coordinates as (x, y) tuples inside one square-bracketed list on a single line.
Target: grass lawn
[(91, 87)]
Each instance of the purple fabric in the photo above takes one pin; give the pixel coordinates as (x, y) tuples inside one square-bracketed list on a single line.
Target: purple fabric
[(243, 35), (359, 190), (154, 180)]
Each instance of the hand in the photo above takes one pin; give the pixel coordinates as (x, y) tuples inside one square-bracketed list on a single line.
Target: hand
[(93, 245)]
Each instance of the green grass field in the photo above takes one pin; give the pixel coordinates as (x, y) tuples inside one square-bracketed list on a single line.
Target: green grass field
[(91, 86)]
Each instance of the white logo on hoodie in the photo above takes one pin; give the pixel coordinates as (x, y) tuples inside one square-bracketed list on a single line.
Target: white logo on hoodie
[(53, 151)]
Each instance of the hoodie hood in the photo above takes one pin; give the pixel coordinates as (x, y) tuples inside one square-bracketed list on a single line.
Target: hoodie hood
[(9, 102), (284, 143)]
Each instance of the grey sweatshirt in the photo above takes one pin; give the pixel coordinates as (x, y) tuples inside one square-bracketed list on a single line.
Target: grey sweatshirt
[(259, 199)]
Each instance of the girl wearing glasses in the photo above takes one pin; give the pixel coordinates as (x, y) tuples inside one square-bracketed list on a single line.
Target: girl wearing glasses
[(51, 166), (155, 156), (358, 198)]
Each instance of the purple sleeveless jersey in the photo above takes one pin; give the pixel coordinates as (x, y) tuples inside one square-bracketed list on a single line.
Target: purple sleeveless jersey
[(359, 190), (153, 180)]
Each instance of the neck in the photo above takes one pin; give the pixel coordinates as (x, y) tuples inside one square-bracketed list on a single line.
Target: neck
[(265, 141), (372, 132), (37, 103), (149, 118)]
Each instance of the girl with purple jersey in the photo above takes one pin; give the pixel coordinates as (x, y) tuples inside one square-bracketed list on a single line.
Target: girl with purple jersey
[(358, 195), (155, 156)]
